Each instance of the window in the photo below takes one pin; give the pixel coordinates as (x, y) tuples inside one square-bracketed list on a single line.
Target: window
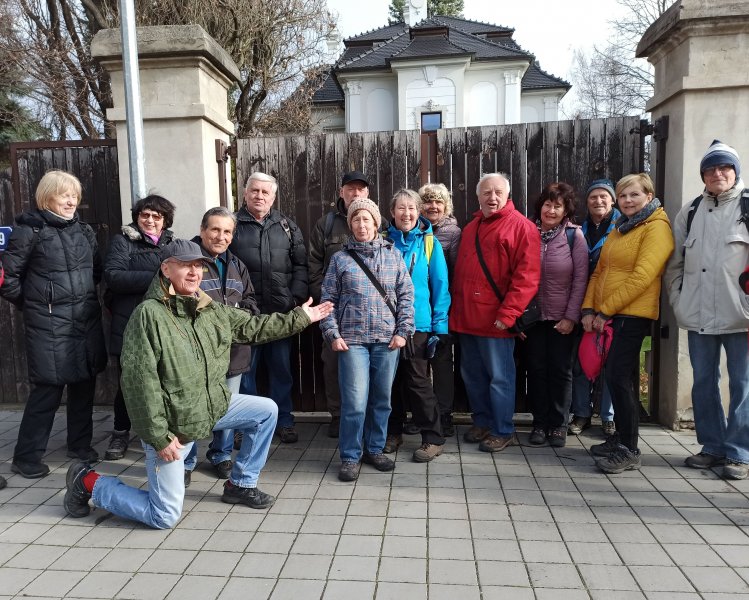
[(431, 121)]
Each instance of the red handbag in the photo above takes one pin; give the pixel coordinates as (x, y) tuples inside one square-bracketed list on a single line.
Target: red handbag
[(594, 347)]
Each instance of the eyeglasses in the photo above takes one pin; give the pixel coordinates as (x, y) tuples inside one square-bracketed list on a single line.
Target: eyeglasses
[(719, 169), (155, 217)]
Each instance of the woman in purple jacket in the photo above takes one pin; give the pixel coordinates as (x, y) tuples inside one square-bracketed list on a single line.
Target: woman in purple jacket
[(548, 345)]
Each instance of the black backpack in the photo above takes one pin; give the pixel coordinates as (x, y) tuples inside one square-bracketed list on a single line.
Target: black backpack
[(744, 218)]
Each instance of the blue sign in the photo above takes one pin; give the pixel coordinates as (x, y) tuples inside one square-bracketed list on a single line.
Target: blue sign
[(4, 237)]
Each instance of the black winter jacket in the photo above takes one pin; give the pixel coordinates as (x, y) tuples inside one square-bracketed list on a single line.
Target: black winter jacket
[(52, 267), (131, 263), (322, 248), (235, 290), (276, 260)]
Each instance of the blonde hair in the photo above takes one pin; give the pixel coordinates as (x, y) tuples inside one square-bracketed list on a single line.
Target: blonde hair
[(641, 179), (437, 191), (410, 194), (55, 183)]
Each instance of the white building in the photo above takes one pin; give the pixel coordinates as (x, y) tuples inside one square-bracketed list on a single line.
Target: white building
[(438, 72)]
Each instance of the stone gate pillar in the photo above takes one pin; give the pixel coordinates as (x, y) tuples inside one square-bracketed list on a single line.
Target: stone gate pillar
[(700, 52), (184, 79)]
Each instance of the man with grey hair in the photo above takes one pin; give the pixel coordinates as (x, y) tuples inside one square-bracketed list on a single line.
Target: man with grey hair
[(271, 246), (225, 280), (496, 276)]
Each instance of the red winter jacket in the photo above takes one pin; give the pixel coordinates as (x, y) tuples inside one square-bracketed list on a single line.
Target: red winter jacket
[(511, 247)]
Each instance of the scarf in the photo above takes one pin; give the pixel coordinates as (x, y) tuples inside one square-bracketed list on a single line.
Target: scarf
[(626, 224), (546, 236)]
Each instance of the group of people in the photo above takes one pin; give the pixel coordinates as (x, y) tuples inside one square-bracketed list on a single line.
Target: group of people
[(193, 322)]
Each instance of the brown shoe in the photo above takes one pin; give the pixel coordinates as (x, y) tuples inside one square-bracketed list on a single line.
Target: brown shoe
[(495, 443), (475, 434), (392, 443), (427, 452)]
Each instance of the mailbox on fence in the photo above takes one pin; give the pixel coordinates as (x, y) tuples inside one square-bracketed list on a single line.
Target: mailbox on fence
[(4, 237)]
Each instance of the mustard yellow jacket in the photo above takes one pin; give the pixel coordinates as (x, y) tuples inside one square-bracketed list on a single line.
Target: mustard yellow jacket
[(627, 279)]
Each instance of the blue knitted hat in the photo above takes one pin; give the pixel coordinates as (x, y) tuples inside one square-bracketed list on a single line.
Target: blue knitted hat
[(602, 184), (720, 154)]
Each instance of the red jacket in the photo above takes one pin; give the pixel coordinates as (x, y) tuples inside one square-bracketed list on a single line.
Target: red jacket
[(511, 247)]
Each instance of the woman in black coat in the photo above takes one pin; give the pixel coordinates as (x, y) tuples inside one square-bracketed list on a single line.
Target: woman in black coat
[(133, 259), (52, 267)]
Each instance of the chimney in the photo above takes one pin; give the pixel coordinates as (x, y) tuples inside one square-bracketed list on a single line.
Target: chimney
[(332, 42)]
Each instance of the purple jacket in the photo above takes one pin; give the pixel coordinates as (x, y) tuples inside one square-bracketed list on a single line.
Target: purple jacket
[(564, 276)]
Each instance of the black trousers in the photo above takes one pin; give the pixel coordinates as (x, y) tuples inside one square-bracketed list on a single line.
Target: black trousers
[(330, 377), (623, 376), (121, 418), (548, 357), (443, 377), (412, 387), (39, 415)]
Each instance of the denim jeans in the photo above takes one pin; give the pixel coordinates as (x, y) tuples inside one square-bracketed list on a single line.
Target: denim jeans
[(720, 436), (222, 444), (581, 392), (488, 370), (161, 505), (365, 378), (277, 359)]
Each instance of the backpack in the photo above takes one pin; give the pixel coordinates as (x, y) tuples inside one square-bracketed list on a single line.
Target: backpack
[(744, 218)]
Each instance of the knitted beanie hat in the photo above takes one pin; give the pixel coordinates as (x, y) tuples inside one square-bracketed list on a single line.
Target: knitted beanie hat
[(720, 154), (364, 204), (602, 184)]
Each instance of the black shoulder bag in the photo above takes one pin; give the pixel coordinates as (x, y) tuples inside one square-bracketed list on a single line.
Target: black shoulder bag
[(532, 313), (408, 350)]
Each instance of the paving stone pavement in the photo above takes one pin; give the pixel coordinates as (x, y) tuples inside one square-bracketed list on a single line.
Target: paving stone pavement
[(526, 523)]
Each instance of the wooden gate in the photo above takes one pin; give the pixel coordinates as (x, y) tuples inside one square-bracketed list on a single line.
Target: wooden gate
[(309, 169)]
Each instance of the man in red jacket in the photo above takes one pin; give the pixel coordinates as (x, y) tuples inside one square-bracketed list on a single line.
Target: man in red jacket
[(511, 249)]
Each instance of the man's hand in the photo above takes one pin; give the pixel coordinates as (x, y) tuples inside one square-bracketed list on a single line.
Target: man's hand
[(588, 322), (319, 312), (499, 325), (171, 452), (565, 326), (338, 345), (396, 342)]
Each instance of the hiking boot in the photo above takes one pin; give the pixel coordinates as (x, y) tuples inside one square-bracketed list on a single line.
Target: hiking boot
[(29, 470), (252, 497), (349, 471), (537, 437), (188, 478), (88, 455), (118, 444), (448, 429), (497, 443), (288, 435), (223, 469), (427, 452), (237, 440), (703, 460), (609, 446), (735, 470), (578, 425), (379, 461), (76, 495), (334, 427), (620, 460), (475, 434), (609, 428), (558, 437), (411, 428), (392, 443)]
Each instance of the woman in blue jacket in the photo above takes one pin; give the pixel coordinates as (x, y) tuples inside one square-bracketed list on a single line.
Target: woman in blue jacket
[(425, 261)]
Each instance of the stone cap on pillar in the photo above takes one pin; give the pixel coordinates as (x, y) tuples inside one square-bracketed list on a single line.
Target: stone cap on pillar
[(164, 41)]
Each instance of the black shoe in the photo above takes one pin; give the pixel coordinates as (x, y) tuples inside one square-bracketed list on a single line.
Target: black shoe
[(610, 445), (448, 429), (349, 471), (537, 437), (288, 435), (3, 483), (620, 460), (188, 478), (558, 437), (237, 440), (411, 429), (118, 444), (334, 427), (378, 461), (76, 496), (252, 497), (29, 470), (223, 469), (88, 455)]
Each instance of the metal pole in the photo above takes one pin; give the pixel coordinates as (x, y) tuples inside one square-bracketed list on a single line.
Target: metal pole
[(134, 115)]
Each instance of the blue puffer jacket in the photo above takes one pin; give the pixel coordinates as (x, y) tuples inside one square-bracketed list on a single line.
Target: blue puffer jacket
[(430, 278)]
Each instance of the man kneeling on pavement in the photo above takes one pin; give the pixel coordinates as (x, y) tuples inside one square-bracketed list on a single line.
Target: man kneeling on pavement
[(174, 359)]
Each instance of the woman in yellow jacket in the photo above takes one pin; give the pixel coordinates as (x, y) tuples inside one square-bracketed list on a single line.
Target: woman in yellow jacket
[(625, 287)]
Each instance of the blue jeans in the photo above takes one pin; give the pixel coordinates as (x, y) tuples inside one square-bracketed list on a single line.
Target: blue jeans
[(581, 388), (720, 436), (365, 377), (222, 444), (488, 370), (277, 358), (161, 505)]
